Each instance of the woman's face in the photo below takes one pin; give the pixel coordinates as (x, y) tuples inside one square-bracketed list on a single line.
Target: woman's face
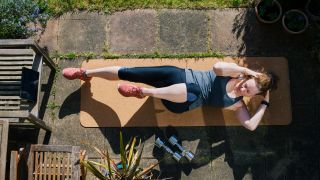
[(247, 87)]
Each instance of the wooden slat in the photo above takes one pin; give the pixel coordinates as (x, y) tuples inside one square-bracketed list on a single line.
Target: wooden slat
[(16, 63), (68, 164), (45, 157), (10, 98), (9, 108), (59, 165), (36, 165), (10, 72), (14, 114), (10, 83), (10, 88), (14, 67), (54, 162), (49, 165), (10, 93), (41, 162), (4, 78), (63, 163), (18, 52), (4, 126), (9, 102), (14, 159), (14, 58)]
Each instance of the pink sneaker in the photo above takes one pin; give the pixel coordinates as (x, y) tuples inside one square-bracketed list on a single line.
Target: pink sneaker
[(129, 90), (75, 73)]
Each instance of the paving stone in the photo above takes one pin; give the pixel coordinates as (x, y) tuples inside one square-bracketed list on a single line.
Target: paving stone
[(133, 32), (81, 15), (49, 38), (238, 32), (67, 129), (246, 147), (304, 116), (82, 35), (207, 172), (183, 31)]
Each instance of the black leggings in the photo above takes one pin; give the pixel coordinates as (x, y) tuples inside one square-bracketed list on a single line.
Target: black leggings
[(162, 76)]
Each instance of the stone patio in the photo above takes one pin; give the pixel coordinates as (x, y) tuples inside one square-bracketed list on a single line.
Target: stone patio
[(270, 152)]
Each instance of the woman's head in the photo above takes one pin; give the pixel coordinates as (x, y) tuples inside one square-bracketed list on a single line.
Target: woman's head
[(266, 81), (251, 86)]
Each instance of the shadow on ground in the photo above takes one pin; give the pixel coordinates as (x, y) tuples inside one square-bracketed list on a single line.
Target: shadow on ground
[(298, 146)]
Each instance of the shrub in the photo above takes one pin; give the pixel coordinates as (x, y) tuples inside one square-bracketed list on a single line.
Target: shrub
[(21, 18)]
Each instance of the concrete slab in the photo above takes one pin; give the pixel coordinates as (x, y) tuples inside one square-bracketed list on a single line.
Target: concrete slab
[(49, 38), (133, 32), (183, 31), (83, 15), (67, 129), (238, 32), (82, 35)]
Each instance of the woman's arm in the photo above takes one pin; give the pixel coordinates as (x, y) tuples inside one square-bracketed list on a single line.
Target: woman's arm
[(244, 117), (231, 69)]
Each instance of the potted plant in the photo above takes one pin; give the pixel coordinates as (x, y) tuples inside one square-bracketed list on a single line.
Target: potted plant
[(268, 11), (128, 168), (295, 21), (313, 10)]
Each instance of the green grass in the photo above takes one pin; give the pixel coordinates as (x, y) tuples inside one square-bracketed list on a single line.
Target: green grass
[(57, 7)]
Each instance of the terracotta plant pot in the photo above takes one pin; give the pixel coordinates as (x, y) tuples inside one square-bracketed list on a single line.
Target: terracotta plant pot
[(295, 21), (268, 11)]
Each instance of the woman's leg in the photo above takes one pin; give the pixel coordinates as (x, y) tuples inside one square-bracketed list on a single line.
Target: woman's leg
[(174, 93), (168, 80), (109, 73)]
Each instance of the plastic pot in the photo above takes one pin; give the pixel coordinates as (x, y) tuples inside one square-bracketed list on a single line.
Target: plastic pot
[(295, 21), (268, 11)]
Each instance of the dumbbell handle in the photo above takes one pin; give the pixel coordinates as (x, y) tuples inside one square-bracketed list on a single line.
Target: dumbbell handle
[(168, 149)]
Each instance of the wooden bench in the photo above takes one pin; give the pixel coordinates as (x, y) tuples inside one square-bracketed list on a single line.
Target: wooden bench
[(14, 55)]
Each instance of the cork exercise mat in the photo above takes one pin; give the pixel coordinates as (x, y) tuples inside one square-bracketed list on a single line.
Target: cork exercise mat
[(103, 106)]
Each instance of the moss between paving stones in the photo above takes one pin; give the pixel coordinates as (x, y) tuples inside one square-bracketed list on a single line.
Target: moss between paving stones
[(58, 7)]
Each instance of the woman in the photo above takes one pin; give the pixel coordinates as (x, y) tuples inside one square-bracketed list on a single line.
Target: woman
[(184, 89)]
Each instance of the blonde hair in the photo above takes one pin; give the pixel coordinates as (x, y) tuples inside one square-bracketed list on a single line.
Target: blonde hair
[(266, 81)]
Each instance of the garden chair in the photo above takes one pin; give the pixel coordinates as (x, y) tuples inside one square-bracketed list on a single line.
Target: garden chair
[(47, 162), (14, 56)]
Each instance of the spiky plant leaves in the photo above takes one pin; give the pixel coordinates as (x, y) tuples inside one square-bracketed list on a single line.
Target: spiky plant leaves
[(91, 167), (123, 154), (136, 160), (130, 156)]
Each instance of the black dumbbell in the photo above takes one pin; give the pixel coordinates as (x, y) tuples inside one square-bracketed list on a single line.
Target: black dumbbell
[(188, 154), (160, 144)]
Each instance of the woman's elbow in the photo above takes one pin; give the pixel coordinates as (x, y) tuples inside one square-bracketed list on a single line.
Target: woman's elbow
[(250, 127)]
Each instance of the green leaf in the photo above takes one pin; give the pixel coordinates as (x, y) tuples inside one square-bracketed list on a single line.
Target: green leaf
[(131, 152), (123, 154), (136, 161), (90, 166)]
